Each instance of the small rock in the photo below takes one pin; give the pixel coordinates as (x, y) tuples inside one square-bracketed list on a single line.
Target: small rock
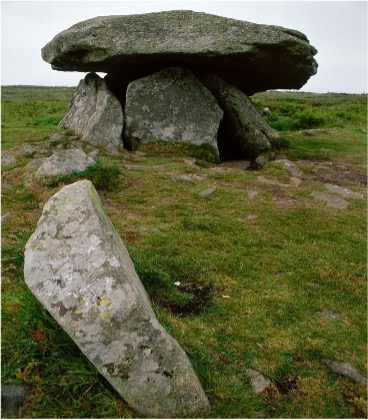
[(13, 400), (7, 158), (56, 137), (64, 162), (261, 161), (36, 163), (314, 131), (5, 217), (346, 369), (184, 178), (329, 315), (331, 200), (252, 217), (290, 167), (25, 149), (345, 192), (252, 193), (258, 381), (266, 111), (207, 192)]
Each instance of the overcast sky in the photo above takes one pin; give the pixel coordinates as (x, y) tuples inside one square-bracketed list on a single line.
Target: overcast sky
[(338, 29)]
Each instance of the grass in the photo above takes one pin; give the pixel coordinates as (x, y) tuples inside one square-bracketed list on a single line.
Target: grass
[(259, 261)]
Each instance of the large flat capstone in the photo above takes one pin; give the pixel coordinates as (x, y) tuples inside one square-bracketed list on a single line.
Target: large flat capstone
[(251, 56), (78, 267)]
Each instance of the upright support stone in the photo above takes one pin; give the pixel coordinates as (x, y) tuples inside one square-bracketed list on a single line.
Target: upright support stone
[(243, 132), (95, 113), (170, 105), (78, 267)]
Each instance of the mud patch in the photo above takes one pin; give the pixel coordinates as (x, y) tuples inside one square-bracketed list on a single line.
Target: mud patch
[(286, 384), (200, 299)]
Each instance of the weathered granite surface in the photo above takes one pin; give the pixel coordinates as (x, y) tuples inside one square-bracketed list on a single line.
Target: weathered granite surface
[(95, 113), (170, 105), (253, 57), (243, 133), (78, 267)]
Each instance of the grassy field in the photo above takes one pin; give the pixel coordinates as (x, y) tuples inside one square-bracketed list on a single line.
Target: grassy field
[(261, 263)]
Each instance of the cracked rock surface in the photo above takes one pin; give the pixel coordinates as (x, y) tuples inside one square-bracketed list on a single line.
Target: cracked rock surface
[(78, 267)]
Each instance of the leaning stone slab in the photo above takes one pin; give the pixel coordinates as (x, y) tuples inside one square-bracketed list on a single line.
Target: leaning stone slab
[(251, 56), (243, 133), (170, 105), (95, 113), (78, 267), (65, 162)]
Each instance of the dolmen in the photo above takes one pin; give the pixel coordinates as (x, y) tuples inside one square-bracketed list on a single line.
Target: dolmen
[(178, 76)]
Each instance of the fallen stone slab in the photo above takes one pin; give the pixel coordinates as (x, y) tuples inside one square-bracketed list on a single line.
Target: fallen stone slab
[(330, 199), (345, 192), (170, 105), (80, 270), (65, 162), (258, 381), (95, 113), (346, 369), (243, 133), (251, 56)]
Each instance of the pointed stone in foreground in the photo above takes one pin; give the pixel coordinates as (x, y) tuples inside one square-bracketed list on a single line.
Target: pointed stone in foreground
[(78, 267)]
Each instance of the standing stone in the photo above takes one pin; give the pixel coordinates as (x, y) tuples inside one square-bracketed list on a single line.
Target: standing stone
[(78, 267), (243, 132), (95, 113), (170, 105)]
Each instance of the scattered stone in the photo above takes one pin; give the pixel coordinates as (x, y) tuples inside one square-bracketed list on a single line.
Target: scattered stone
[(78, 267), (192, 163), (76, 144), (170, 105), (46, 152), (243, 133), (93, 153), (252, 217), (290, 167), (65, 162), (207, 192), (36, 163), (330, 199), (7, 158), (241, 52), (345, 192), (95, 113), (25, 149), (56, 137), (261, 161), (346, 369), (184, 178), (252, 193), (329, 315), (5, 217), (294, 182), (13, 400), (258, 381), (314, 131)]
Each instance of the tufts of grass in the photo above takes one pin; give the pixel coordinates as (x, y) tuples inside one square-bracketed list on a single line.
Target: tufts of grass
[(104, 176)]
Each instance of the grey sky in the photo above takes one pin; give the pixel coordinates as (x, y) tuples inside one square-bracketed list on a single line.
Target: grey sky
[(338, 29)]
